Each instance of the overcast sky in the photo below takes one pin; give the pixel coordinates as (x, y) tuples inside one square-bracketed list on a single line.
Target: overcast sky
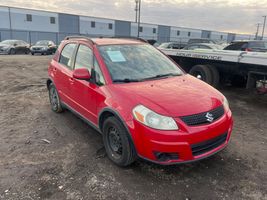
[(240, 16)]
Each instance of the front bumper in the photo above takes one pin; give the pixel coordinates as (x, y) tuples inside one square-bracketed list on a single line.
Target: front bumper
[(39, 50), (181, 145), (4, 52)]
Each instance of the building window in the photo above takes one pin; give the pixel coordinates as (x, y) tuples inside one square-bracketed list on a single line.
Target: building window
[(93, 24), (140, 29), (178, 33), (52, 20), (154, 30), (28, 17), (221, 37), (189, 34), (208, 35), (110, 26)]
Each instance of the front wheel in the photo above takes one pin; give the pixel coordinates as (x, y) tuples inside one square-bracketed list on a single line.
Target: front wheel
[(54, 99), (12, 51), (118, 146)]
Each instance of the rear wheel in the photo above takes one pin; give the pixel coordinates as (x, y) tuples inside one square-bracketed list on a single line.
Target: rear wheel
[(202, 72), (54, 99), (118, 146)]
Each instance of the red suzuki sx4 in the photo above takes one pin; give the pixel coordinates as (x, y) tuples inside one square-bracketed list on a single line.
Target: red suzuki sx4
[(141, 101)]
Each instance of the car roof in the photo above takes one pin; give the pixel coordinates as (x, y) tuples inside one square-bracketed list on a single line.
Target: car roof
[(207, 44), (108, 41), (115, 41)]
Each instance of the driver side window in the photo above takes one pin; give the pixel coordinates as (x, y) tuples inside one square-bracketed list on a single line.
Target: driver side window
[(84, 58)]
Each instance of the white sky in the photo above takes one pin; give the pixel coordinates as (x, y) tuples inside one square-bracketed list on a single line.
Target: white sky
[(240, 16)]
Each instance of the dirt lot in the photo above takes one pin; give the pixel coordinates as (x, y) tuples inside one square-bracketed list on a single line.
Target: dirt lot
[(74, 166)]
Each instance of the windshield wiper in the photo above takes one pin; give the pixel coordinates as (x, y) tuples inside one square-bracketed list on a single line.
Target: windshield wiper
[(162, 76), (126, 80)]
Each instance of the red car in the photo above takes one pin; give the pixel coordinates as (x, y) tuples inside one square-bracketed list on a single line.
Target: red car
[(141, 101)]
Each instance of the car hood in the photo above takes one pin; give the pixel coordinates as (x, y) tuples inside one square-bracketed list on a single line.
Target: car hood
[(5, 45), (39, 46), (175, 96)]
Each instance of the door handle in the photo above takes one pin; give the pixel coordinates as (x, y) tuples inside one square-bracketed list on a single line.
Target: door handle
[(71, 80), (54, 69)]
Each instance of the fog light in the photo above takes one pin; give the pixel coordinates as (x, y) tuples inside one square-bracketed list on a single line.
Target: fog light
[(163, 157)]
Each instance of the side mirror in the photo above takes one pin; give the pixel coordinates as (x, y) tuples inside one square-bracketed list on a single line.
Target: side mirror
[(81, 74)]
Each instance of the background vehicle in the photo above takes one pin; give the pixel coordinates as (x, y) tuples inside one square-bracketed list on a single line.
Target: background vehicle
[(240, 68), (250, 45), (172, 45), (14, 47), (122, 88), (202, 46), (44, 47), (201, 40)]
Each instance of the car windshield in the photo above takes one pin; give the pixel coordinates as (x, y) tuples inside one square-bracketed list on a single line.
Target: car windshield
[(164, 45), (42, 43), (128, 63), (215, 46), (10, 42)]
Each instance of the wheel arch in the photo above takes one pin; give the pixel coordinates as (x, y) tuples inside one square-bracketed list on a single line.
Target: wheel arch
[(48, 82), (109, 112)]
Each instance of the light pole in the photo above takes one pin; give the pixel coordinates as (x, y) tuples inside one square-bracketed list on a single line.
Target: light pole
[(263, 29), (136, 10), (257, 32), (139, 14)]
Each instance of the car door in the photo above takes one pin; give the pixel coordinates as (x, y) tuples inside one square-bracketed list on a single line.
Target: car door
[(21, 47), (17, 47), (85, 92), (63, 71)]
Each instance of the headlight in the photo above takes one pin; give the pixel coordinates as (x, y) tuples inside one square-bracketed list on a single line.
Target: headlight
[(225, 103), (153, 120), (5, 48)]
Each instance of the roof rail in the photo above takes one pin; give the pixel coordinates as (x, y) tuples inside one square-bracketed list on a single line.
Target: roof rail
[(79, 37), (131, 38)]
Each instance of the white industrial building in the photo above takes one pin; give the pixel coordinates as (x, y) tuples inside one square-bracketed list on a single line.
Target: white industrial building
[(32, 25)]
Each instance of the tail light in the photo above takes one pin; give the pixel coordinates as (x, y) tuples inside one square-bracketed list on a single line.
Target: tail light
[(248, 49)]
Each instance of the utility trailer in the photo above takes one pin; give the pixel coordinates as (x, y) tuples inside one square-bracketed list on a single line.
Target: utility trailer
[(222, 66)]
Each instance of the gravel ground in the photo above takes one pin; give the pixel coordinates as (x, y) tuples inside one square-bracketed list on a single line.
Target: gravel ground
[(44, 155)]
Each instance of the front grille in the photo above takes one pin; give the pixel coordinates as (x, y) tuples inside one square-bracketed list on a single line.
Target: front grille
[(203, 147), (36, 48), (201, 118)]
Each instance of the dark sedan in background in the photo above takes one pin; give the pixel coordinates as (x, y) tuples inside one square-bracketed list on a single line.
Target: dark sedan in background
[(250, 45), (14, 47), (44, 47)]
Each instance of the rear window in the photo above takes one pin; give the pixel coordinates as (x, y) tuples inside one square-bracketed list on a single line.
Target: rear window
[(258, 44), (236, 46)]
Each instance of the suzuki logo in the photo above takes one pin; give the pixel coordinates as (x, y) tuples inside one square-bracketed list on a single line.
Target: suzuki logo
[(209, 117)]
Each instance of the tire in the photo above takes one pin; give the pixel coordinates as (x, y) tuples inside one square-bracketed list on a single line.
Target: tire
[(118, 146), (202, 72), (54, 99), (32, 54), (27, 52), (215, 76), (12, 51)]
